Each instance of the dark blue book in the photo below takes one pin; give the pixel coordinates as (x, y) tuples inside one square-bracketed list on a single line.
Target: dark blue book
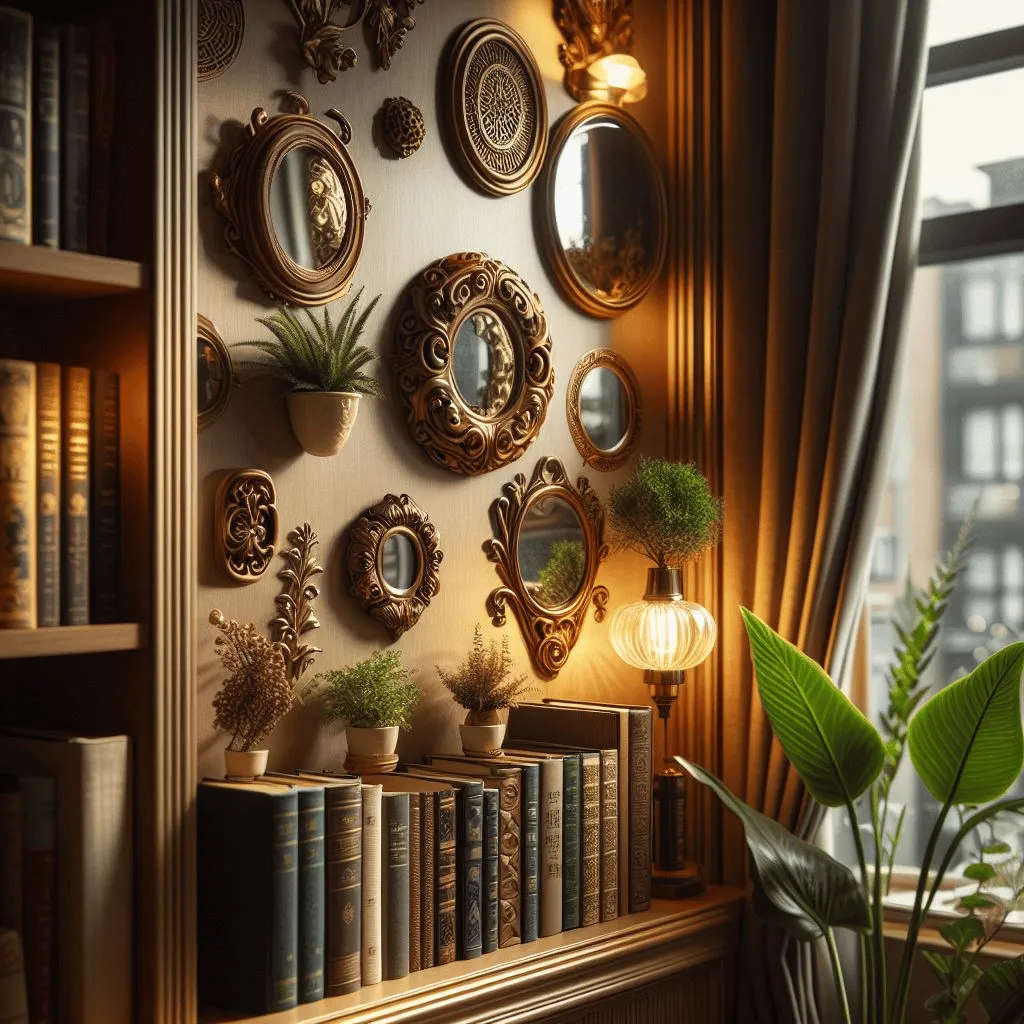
[(490, 890), (46, 137)]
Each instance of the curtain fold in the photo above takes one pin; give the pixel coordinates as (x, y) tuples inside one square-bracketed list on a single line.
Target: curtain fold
[(820, 110)]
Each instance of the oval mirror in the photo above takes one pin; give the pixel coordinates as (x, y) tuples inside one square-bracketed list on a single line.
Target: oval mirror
[(214, 377), (484, 363), (605, 226), (552, 552), (399, 562), (603, 407)]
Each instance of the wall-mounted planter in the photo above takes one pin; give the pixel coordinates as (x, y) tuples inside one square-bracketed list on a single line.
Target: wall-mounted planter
[(322, 420)]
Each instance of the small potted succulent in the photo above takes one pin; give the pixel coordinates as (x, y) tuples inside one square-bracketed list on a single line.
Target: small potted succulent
[(374, 698), (324, 364), (484, 686), (254, 697)]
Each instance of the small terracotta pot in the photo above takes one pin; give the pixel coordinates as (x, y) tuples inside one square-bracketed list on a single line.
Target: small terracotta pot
[(482, 740), (245, 765), (371, 750), (322, 420)]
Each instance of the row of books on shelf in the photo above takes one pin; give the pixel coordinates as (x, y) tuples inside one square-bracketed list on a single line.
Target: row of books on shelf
[(60, 488), (313, 884), (65, 879), (57, 89)]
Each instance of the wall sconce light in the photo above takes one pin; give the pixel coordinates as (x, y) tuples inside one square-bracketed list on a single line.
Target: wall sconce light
[(598, 34)]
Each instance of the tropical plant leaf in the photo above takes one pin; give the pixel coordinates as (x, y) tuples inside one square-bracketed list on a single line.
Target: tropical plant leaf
[(1001, 990), (966, 742), (836, 750), (962, 932), (804, 890)]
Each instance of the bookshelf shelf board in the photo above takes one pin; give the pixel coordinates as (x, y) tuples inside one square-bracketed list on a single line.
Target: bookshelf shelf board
[(544, 979), (44, 643), (36, 270)]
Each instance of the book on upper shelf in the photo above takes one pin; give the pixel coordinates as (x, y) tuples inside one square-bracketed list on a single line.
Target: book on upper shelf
[(46, 136), (15, 125), (74, 140), (489, 899), (395, 854), (372, 970)]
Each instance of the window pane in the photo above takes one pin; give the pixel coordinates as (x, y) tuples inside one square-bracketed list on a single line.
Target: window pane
[(981, 571), (979, 305), (960, 19), (979, 444)]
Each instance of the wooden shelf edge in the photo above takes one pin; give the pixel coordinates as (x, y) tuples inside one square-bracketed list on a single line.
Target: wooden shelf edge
[(534, 981), (61, 640), (38, 270)]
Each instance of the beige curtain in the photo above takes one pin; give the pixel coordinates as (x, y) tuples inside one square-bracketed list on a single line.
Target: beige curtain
[(820, 110)]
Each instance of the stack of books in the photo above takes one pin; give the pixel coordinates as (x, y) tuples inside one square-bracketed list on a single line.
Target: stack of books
[(313, 884), (60, 487)]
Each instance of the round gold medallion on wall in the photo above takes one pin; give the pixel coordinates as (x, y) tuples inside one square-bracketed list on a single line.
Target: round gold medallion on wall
[(497, 111), (603, 407), (473, 363), (219, 37)]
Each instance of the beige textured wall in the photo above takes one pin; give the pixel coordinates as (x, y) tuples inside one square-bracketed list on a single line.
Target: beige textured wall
[(422, 210)]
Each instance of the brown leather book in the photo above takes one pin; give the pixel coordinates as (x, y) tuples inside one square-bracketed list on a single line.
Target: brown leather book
[(415, 898)]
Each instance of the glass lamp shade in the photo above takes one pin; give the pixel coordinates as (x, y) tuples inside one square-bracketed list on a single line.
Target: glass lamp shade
[(619, 77)]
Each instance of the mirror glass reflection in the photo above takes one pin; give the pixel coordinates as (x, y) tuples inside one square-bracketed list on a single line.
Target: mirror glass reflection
[(484, 362), (308, 208), (606, 208), (552, 552), (399, 562), (605, 408)]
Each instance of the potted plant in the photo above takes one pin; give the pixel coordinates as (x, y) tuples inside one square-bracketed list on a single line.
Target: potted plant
[(483, 685), (254, 697), (374, 698), (324, 364)]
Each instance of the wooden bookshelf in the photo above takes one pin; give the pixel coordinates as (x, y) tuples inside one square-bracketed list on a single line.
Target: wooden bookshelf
[(45, 643), (676, 956), (34, 270)]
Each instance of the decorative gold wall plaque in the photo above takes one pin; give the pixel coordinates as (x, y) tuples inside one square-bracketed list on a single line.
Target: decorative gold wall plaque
[(496, 108), (246, 525), (294, 604), (393, 559), (321, 39), (473, 363), (594, 31), (220, 32), (214, 375), (294, 205), (548, 544), (389, 20), (404, 127), (603, 408)]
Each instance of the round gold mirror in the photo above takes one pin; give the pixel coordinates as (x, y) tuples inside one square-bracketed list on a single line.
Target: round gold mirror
[(605, 224), (604, 409)]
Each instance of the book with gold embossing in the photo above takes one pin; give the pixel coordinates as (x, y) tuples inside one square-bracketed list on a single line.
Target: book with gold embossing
[(17, 494), (372, 966), (76, 402), (48, 455)]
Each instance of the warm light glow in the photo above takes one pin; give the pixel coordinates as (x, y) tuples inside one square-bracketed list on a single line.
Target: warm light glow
[(619, 77), (663, 635)]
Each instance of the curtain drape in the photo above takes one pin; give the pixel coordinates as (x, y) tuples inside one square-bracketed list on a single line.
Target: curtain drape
[(820, 107)]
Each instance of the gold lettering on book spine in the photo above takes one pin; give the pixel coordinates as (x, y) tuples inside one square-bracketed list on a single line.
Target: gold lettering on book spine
[(609, 837), (590, 880), (509, 854)]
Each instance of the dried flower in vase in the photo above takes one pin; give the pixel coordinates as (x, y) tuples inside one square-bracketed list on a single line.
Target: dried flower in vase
[(257, 693)]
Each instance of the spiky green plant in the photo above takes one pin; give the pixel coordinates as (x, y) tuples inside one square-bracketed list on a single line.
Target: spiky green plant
[(375, 693), (320, 357), (562, 574)]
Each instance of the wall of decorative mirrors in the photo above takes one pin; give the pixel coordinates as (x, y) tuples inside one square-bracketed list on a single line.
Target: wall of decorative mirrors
[(604, 409)]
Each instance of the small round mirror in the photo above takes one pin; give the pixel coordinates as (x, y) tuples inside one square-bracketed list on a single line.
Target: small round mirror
[(399, 562), (308, 208), (552, 552), (213, 373), (484, 363), (605, 408)]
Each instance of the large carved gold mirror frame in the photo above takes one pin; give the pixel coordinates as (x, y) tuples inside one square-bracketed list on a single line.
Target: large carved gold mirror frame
[(548, 544), (473, 363), (294, 205)]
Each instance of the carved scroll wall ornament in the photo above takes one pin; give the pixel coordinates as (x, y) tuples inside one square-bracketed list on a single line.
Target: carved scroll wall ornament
[(394, 556), (550, 615), (246, 524), (294, 205), (592, 29), (389, 21), (295, 616), (404, 127), (321, 40), (470, 293), (496, 108), (220, 32), (605, 415)]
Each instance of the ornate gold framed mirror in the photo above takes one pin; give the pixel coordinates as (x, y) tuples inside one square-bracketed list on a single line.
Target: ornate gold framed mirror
[(294, 205), (603, 408), (473, 363), (394, 555), (548, 544), (604, 223)]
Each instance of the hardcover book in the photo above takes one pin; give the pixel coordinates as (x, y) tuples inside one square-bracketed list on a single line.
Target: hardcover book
[(490, 871), (610, 899), (590, 845), (105, 499), (415, 890), (371, 955), (15, 125), (74, 488), (48, 454), (18, 494), (395, 884), (46, 136), (102, 86), (74, 143), (444, 942)]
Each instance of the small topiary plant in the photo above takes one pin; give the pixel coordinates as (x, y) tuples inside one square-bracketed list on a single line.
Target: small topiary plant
[(560, 578), (376, 693)]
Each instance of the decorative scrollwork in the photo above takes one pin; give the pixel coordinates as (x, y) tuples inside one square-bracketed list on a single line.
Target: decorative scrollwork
[(219, 37), (389, 21), (294, 604), (605, 459), (397, 608), (550, 633), (592, 29), (246, 523), (456, 434), (321, 40)]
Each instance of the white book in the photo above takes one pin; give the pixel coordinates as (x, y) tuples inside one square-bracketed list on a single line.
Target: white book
[(371, 922)]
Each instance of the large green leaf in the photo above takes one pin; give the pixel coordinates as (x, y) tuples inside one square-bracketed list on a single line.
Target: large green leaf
[(1001, 990), (804, 890), (966, 742), (836, 750)]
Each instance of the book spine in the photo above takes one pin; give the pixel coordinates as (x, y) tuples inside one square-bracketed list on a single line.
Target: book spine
[(283, 981), (18, 494), (46, 137), (530, 921), (444, 940), (74, 574), (609, 835), (105, 499), (489, 898), (12, 853), (48, 449), (590, 865), (39, 907), (74, 143), (428, 880), (15, 125), (396, 886), (551, 846), (415, 891), (640, 722), (371, 932), (344, 904), (469, 935), (571, 837), (102, 84), (510, 862), (312, 885)]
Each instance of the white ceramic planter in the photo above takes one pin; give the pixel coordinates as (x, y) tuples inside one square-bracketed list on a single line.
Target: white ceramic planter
[(482, 740), (245, 765), (371, 750), (322, 420)]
